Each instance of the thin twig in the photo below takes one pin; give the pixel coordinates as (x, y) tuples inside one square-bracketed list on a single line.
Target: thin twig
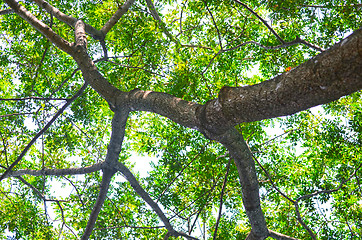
[(174, 179), (261, 19), (15, 114), (127, 226), (213, 20), (76, 189)]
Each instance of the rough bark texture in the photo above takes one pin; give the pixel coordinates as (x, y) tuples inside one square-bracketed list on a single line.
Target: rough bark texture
[(324, 78), (245, 165)]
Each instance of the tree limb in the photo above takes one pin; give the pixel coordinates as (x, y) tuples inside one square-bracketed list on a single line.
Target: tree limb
[(40, 26), (330, 75), (69, 20), (114, 148), (106, 179), (116, 16), (56, 172), (6, 11), (239, 151)]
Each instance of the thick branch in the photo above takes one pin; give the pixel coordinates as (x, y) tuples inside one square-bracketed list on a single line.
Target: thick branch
[(114, 148), (245, 165), (22, 154), (71, 21), (328, 76), (40, 26), (176, 109), (110, 93), (79, 34)]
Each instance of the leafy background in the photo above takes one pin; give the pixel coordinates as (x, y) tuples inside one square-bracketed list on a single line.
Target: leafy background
[(311, 151)]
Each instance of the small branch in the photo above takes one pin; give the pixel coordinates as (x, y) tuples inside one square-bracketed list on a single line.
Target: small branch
[(143, 194), (329, 191), (337, 6), (203, 205), (155, 15), (300, 220), (262, 20), (6, 11), (22, 154), (126, 226), (56, 172), (195, 46), (76, 189), (146, 197), (271, 180), (15, 114), (174, 179), (221, 198), (135, 67), (34, 98), (278, 136), (118, 14), (213, 20), (63, 219), (69, 20), (284, 45), (280, 236), (207, 192), (35, 190)]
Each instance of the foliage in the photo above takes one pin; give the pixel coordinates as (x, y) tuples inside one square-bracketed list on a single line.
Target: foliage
[(311, 151)]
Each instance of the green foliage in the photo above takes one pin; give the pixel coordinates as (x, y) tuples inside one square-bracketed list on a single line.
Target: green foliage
[(314, 152)]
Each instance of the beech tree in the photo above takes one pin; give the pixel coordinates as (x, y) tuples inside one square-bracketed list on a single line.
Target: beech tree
[(218, 93)]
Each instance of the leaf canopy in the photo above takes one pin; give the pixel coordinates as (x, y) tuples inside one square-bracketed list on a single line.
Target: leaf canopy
[(197, 48)]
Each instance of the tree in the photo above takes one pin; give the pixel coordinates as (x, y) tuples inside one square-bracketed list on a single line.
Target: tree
[(76, 75)]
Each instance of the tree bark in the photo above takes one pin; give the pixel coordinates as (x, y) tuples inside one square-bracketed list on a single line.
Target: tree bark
[(245, 165), (330, 75)]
